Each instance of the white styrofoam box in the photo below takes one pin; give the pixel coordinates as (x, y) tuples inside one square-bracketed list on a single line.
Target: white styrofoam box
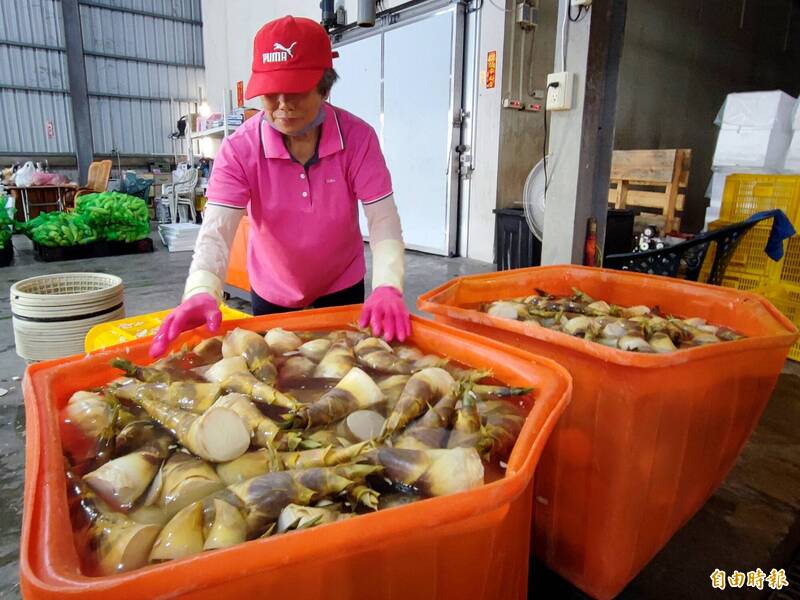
[(796, 116), (792, 164), (712, 214), (757, 109), (714, 194), (714, 202), (751, 147), (716, 185), (718, 182)]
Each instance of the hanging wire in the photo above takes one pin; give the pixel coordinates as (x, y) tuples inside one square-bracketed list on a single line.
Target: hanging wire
[(531, 87), (564, 41), (544, 143), (569, 19), (579, 16), (544, 155), (492, 2)]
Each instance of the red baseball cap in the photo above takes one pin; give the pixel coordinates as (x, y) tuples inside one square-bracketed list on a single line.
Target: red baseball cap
[(290, 55)]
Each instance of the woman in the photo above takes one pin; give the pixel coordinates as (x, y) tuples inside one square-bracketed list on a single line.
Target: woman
[(299, 169)]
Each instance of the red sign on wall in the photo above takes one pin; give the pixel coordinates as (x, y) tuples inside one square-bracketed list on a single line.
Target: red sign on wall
[(240, 93), (491, 69), (51, 130)]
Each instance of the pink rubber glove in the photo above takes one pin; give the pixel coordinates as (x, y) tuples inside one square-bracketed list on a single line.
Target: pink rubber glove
[(192, 312), (386, 313)]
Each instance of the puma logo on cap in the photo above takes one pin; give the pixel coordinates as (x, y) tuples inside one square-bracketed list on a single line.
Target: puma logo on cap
[(280, 53)]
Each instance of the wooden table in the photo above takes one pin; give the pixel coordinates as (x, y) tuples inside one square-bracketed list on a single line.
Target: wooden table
[(54, 195)]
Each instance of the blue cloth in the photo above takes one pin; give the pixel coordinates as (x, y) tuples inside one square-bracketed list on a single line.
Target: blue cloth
[(133, 185), (782, 229)]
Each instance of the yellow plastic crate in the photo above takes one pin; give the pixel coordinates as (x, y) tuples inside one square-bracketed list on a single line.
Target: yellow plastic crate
[(749, 257), (790, 267), (745, 282), (747, 194), (786, 299), (705, 270), (125, 330)]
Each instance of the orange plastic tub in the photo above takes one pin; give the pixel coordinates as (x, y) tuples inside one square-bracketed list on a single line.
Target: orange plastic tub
[(469, 545), (647, 438), (237, 263)]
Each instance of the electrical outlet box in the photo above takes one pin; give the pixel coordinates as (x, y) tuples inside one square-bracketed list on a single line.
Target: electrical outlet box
[(559, 91), (586, 3), (512, 103), (527, 15)]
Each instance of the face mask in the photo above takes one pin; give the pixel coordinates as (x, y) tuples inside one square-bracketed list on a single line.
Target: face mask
[(315, 123)]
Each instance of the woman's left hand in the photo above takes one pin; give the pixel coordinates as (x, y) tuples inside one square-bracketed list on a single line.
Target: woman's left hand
[(386, 313)]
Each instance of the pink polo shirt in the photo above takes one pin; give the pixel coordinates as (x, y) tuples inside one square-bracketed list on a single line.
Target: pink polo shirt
[(304, 241)]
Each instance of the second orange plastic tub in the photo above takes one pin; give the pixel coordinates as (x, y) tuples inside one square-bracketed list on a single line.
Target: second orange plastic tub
[(468, 545), (647, 438), (237, 264)]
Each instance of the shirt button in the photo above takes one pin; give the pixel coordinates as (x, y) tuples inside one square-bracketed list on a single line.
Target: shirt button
[(305, 194), (302, 175)]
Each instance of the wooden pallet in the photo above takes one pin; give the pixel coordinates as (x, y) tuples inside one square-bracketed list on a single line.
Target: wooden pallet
[(651, 179)]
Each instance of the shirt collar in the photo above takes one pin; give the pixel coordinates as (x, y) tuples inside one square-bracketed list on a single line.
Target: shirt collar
[(331, 138)]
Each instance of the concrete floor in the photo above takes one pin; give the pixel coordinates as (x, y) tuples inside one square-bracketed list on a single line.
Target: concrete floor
[(751, 521)]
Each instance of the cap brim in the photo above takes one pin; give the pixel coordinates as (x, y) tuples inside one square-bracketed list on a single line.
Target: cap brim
[(289, 81)]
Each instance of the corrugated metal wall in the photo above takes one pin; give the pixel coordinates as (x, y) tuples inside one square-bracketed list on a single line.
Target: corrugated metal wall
[(144, 65), (33, 78)]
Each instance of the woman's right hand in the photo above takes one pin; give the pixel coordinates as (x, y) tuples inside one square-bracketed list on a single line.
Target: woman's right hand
[(193, 312)]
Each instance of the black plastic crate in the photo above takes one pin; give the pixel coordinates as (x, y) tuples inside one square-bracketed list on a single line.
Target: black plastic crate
[(6, 254), (619, 231), (119, 248), (515, 246), (58, 253), (93, 250)]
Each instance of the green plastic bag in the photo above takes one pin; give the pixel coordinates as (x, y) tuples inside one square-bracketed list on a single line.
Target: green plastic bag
[(6, 225), (61, 229), (115, 216)]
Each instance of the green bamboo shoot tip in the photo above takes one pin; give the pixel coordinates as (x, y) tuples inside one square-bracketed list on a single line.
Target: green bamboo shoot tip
[(125, 366)]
